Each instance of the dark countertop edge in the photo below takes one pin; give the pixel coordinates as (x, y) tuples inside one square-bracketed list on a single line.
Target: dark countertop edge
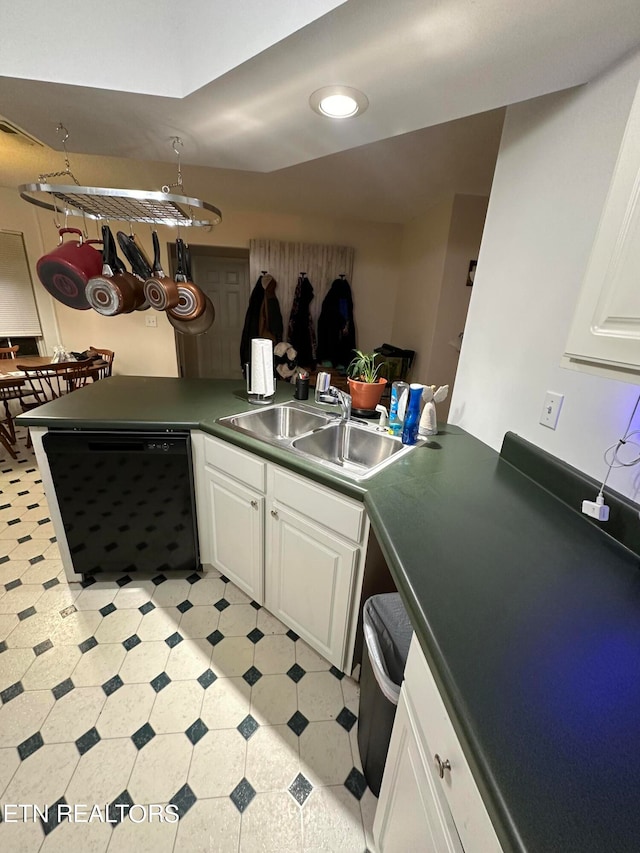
[(456, 707)]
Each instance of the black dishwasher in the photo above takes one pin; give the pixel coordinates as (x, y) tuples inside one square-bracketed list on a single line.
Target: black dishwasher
[(126, 499)]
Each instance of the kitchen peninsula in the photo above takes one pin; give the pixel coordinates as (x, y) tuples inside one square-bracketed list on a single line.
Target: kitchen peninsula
[(527, 614)]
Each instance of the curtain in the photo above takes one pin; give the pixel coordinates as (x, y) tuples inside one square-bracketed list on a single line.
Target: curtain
[(18, 312), (285, 262)]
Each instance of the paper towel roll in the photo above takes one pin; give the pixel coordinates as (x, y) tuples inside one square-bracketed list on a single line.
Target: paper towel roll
[(262, 366)]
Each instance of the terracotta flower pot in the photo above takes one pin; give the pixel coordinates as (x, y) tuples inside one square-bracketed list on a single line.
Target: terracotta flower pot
[(366, 395)]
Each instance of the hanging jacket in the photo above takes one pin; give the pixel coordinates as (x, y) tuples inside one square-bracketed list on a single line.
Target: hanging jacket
[(336, 329), (263, 318), (301, 334)]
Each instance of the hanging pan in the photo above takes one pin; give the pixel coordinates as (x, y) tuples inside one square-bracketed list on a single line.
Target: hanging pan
[(191, 301), (115, 291), (65, 270), (198, 326), (139, 265), (160, 291)]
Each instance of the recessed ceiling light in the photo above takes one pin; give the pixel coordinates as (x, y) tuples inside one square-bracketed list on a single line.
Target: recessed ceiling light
[(338, 102)]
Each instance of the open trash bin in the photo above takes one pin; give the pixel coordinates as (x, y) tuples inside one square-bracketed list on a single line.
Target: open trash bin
[(387, 635)]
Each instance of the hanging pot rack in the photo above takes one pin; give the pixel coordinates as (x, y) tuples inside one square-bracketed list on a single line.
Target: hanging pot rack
[(156, 208)]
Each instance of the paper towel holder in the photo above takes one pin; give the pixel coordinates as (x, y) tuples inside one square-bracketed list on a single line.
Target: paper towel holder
[(253, 396)]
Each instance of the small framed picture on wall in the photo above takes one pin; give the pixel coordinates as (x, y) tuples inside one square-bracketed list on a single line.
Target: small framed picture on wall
[(472, 273)]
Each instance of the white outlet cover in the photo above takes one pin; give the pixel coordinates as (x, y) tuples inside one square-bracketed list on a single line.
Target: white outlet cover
[(551, 409), (151, 320)]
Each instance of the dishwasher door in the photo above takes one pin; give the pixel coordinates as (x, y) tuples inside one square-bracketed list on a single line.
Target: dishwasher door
[(126, 499)]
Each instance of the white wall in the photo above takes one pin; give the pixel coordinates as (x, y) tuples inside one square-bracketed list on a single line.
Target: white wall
[(555, 163)]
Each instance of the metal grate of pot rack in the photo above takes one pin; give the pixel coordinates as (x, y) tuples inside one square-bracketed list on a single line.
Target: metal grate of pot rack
[(157, 208)]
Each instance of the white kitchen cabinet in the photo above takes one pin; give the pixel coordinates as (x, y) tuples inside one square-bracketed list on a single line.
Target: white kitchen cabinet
[(605, 332), (289, 543), (429, 799), (237, 532), (412, 813), (310, 580)]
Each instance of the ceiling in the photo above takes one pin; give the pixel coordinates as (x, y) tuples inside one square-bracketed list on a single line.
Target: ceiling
[(233, 79)]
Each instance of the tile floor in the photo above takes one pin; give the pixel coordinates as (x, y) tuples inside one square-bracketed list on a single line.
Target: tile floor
[(163, 690)]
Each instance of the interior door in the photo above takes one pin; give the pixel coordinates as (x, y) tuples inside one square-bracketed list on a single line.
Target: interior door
[(216, 354)]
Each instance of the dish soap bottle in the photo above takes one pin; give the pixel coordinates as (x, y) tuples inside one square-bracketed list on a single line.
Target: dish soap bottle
[(398, 408), (412, 419)]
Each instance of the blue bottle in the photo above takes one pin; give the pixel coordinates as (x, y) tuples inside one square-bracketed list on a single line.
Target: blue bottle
[(412, 418), (398, 408)]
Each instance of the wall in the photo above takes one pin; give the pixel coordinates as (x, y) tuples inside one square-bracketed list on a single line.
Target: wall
[(422, 264), (15, 215), (433, 297), (463, 244), (555, 163)]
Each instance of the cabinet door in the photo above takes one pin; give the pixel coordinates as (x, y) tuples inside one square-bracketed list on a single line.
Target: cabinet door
[(309, 581), (606, 328), (412, 813), (236, 532)]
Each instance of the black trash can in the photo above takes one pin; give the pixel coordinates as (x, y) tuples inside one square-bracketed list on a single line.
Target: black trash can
[(387, 634)]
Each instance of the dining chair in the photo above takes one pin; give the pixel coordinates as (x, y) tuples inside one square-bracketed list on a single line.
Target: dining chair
[(51, 381), (9, 352), (10, 389), (103, 371)]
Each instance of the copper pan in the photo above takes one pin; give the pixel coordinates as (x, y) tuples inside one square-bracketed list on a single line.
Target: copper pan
[(191, 301), (198, 326), (160, 291)]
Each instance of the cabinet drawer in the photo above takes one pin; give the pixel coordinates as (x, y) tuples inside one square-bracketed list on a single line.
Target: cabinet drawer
[(340, 514), (437, 736), (237, 463)]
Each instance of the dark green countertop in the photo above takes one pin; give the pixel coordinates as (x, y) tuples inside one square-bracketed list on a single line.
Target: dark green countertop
[(527, 613)]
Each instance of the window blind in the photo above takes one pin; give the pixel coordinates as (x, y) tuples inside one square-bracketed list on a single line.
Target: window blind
[(18, 312)]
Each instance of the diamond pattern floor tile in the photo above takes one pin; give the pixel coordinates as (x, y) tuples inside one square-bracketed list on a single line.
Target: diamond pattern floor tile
[(123, 690)]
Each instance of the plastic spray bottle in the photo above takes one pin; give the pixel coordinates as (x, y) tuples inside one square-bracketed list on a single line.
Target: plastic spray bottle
[(398, 408)]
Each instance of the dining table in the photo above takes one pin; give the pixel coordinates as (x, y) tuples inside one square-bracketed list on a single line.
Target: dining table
[(8, 366)]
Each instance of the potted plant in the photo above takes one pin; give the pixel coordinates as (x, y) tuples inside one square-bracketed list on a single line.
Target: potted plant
[(365, 386)]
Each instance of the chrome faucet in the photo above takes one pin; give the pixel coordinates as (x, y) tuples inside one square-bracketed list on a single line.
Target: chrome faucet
[(343, 400)]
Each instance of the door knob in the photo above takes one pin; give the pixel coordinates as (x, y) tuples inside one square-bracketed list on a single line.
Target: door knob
[(274, 513), (441, 765), (254, 504)]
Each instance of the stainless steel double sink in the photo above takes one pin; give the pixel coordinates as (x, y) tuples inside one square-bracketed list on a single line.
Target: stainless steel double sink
[(354, 449)]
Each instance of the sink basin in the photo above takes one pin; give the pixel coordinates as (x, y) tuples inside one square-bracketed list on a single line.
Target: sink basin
[(350, 447), (278, 422)]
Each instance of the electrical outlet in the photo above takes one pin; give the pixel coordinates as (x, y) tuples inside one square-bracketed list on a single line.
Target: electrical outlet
[(151, 320), (551, 409)]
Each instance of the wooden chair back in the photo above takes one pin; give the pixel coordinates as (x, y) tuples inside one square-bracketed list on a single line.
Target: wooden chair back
[(107, 356), (9, 352), (52, 381)]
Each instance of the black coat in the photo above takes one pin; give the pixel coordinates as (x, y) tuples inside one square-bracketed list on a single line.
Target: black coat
[(263, 318), (301, 334), (336, 329)]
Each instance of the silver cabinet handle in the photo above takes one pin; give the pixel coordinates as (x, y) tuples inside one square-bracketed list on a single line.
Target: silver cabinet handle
[(254, 504), (274, 513), (441, 765)]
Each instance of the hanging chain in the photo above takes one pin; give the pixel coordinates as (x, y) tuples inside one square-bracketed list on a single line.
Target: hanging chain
[(67, 171), (176, 141)]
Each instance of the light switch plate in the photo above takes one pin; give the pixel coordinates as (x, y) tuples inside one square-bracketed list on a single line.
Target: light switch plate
[(151, 320), (551, 409)]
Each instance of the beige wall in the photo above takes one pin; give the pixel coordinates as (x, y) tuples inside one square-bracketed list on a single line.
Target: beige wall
[(433, 298), (467, 221), (421, 268)]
